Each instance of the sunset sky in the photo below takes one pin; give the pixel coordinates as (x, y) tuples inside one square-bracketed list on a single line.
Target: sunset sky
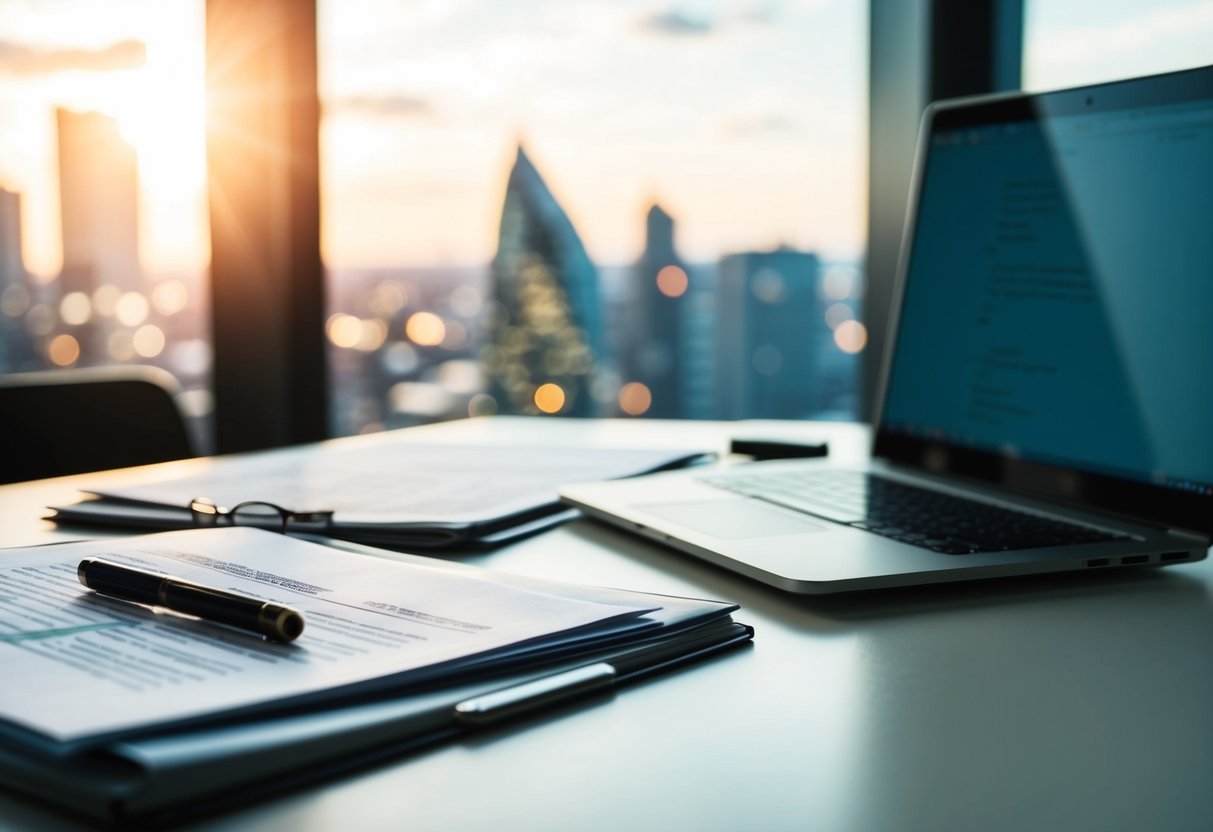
[(745, 119), (140, 61)]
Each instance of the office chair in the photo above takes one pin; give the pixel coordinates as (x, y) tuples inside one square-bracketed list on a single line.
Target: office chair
[(74, 421)]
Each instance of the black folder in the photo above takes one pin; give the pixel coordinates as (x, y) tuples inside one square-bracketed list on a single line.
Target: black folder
[(165, 778), (161, 774)]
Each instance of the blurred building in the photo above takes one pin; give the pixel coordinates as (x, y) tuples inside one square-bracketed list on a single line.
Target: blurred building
[(98, 199), (16, 293), (656, 349), (544, 331), (98, 204), (12, 265), (770, 332), (699, 345)]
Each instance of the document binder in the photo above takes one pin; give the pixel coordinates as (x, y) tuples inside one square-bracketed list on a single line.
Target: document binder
[(164, 771), (390, 489)]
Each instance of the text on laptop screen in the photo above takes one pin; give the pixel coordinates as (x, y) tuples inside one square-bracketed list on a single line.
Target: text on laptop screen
[(1059, 295)]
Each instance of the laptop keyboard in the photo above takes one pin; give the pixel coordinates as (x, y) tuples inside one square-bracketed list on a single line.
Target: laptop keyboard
[(919, 516)]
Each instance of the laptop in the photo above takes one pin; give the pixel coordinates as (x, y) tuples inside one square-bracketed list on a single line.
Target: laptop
[(1046, 401)]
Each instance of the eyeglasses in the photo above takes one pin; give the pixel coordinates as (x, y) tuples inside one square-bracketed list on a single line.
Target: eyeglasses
[(258, 514)]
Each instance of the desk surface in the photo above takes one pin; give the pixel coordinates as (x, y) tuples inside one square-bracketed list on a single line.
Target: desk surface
[(1057, 702)]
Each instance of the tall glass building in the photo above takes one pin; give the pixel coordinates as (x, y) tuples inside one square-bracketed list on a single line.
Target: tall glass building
[(544, 330)]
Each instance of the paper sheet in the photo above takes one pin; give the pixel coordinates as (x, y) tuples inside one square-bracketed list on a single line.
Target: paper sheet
[(78, 665), (401, 482)]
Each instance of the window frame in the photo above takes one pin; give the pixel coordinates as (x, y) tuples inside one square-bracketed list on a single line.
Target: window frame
[(267, 278)]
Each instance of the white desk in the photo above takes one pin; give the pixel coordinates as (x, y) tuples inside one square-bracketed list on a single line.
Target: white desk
[(1067, 702)]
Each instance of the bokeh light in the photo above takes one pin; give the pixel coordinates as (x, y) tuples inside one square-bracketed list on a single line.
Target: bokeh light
[(170, 297), (851, 336), (837, 313), (482, 404), (425, 329), (40, 320), (148, 341), (635, 399), (838, 283), (549, 398), (400, 358), (768, 286), (344, 330), (131, 309), (388, 298), (672, 282), (105, 300), (372, 334), (75, 309), (460, 376), (63, 350), (420, 398)]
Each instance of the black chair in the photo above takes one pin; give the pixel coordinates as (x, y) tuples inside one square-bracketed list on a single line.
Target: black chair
[(74, 421)]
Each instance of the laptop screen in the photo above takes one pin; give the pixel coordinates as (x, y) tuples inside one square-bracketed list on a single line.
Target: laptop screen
[(1057, 307)]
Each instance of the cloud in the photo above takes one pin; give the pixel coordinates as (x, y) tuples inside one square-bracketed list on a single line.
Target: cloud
[(759, 15), (20, 59), (384, 106), (759, 125), (677, 23)]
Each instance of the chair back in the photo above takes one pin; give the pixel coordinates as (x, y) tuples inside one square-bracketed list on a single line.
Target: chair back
[(74, 421)]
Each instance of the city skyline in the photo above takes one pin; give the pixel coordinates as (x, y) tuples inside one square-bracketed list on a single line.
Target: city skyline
[(412, 176), (745, 120), (402, 352)]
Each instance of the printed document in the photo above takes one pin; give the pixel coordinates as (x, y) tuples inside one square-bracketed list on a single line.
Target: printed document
[(79, 665), (388, 480)]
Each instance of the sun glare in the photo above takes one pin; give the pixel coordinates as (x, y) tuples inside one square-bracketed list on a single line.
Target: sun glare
[(161, 110), (162, 113)]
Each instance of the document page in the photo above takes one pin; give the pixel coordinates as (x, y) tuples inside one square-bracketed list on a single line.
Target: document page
[(394, 481), (78, 664)]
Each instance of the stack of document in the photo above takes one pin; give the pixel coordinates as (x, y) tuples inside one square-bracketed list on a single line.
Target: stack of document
[(392, 489), (127, 712)]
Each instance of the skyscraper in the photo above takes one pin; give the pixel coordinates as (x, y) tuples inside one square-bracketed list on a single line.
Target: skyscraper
[(16, 346), (98, 205), (98, 198), (12, 267), (544, 330), (769, 334), (662, 303)]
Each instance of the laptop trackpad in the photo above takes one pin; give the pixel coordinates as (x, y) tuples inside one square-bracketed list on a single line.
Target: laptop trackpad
[(728, 519)]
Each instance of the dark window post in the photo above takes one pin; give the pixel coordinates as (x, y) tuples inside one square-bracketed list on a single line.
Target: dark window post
[(920, 51), (267, 281)]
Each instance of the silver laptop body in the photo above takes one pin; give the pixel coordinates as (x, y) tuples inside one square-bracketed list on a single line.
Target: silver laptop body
[(1051, 353)]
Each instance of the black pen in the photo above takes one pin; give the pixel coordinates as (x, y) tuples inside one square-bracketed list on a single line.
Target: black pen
[(270, 620)]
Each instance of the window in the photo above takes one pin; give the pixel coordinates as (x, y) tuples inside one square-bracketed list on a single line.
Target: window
[(103, 240), (1073, 42), (592, 208)]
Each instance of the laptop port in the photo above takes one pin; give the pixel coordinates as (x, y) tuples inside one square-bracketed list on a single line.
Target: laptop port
[(1098, 562), (1168, 557), (1135, 559)]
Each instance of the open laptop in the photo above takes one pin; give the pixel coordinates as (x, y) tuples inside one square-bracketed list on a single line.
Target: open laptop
[(1047, 394)]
